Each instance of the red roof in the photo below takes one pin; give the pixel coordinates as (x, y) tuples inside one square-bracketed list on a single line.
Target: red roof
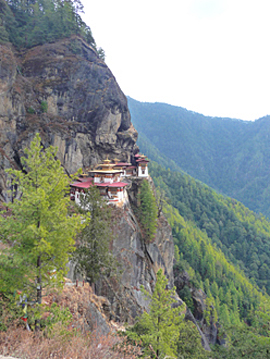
[(137, 155), (82, 184), (115, 184)]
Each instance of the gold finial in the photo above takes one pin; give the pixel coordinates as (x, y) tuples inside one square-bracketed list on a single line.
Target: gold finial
[(107, 160)]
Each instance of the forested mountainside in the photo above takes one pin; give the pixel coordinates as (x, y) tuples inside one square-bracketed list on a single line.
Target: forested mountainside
[(224, 248), (242, 235), (54, 81), (231, 156), (29, 23)]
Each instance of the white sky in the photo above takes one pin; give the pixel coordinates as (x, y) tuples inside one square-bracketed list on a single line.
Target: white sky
[(209, 56)]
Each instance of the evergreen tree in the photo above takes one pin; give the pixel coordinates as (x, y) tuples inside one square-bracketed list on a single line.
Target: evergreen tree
[(189, 344), (147, 211), (26, 23), (93, 257), (37, 228), (158, 330)]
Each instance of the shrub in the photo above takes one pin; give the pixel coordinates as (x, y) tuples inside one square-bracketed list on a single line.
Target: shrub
[(30, 110), (44, 106)]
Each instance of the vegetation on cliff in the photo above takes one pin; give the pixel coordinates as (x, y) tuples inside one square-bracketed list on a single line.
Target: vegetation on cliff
[(147, 211), (92, 257), (242, 236), (204, 226), (36, 228), (29, 23), (162, 332)]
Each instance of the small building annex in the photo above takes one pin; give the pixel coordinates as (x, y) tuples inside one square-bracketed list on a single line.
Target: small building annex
[(108, 178)]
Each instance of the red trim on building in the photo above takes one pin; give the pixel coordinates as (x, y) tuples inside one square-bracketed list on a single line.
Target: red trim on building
[(82, 184)]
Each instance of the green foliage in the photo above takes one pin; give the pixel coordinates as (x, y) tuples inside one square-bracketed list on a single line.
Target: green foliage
[(29, 23), (186, 296), (44, 106), (10, 311), (189, 344), (101, 53), (243, 236), (204, 226), (31, 110), (6, 21), (147, 211), (92, 256), (38, 230), (158, 330), (162, 332), (244, 343), (57, 321), (232, 156)]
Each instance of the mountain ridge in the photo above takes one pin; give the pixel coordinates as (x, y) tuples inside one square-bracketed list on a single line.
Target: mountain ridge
[(229, 155)]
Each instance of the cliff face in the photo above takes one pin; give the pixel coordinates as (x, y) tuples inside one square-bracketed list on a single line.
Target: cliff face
[(67, 94), (139, 261)]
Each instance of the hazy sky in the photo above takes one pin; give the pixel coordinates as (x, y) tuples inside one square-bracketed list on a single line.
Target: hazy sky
[(209, 56)]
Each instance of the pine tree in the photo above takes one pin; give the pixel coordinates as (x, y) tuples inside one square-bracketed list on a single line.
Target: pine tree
[(147, 211), (37, 228), (158, 330), (93, 257), (189, 344)]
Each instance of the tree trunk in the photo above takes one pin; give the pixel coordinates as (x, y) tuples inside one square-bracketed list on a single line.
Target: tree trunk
[(39, 291)]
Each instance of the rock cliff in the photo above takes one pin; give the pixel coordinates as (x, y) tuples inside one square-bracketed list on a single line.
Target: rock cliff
[(138, 260), (66, 93)]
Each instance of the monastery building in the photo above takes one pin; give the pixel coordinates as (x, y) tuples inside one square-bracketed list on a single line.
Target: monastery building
[(108, 177)]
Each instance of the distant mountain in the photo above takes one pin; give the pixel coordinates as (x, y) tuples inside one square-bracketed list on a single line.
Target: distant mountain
[(230, 155)]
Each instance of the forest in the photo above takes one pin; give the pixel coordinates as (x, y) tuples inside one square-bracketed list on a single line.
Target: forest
[(27, 23), (239, 233), (229, 155), (224, 247)]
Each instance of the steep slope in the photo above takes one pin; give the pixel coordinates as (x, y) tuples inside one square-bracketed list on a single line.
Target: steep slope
[(229, 155), (223, 249), (243, 236), (64, 91)]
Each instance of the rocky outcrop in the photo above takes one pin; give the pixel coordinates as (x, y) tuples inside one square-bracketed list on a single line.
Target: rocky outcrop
[(208, 329), (89, 312), (139, 262), (66, 93)]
